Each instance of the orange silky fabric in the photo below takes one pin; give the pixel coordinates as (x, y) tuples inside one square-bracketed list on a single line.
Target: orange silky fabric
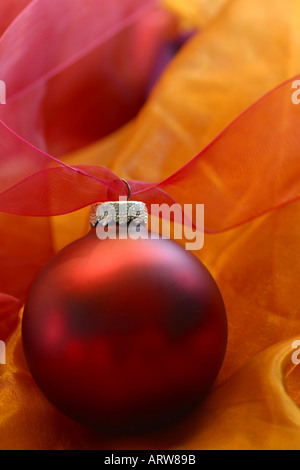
[(242, 54), (194, 13), (244, 50)]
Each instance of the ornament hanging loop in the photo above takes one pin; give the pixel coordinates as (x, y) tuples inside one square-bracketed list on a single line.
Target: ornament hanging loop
[(119, 212), (129, 189)]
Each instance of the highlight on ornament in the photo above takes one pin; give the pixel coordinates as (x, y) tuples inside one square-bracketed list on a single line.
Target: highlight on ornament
[(2, 92), (128, 219), (2, 352)]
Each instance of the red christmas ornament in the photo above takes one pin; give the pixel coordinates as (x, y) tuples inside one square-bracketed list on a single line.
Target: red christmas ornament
[(124, 335)]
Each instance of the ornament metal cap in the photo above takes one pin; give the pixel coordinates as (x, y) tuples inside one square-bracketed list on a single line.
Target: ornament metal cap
[(119, 212)]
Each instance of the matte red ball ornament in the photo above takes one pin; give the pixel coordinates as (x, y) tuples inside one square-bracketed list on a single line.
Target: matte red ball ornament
[(124, 335)]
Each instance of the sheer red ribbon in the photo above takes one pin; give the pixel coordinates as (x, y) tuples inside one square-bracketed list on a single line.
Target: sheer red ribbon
[(248, 170)]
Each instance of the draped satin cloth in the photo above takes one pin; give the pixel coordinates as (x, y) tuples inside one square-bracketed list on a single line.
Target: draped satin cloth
[(219, 128)]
